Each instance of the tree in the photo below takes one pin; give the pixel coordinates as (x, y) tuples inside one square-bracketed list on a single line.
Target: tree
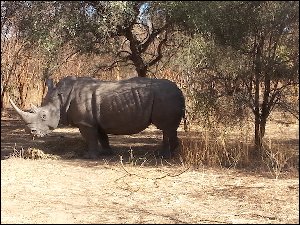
[(12, 47), (132, 33), (261, 38), (20, 47)]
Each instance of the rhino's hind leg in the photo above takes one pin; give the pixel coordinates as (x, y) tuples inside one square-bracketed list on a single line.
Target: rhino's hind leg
[(91, 136), (103, 138), (170, 143)]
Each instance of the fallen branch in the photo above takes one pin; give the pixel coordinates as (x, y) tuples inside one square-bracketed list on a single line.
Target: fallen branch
[(151, 178)]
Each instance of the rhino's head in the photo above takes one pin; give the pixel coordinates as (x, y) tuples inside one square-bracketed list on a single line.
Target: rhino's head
[(40, 121)]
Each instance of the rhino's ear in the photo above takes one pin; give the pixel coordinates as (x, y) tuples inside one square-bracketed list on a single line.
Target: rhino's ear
[(50, 84), (43, 115)]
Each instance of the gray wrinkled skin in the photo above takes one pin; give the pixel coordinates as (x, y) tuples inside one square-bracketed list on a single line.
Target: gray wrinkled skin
[(99, 108)]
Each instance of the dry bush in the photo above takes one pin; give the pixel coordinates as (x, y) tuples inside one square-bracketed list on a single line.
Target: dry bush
[(19, 72), (207, 149), (279, 157), (210, 147), (86, 65), (31, 153)]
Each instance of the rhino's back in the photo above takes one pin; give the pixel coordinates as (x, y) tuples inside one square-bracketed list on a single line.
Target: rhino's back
[(118, 107)]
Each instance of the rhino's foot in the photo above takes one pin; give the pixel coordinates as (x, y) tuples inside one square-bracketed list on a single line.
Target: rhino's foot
[(91, 155), (107, 151), (163, 154)]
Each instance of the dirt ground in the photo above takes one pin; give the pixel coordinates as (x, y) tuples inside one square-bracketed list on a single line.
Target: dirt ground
[(133, 186)]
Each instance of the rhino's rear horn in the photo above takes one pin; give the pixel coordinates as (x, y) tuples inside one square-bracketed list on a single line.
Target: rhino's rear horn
[(34, 108), (26, 116)]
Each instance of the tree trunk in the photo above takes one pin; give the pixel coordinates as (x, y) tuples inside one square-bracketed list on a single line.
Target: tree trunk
[(142, 72), (261, 111), (258, 139), (260, 128), (138, 62), (263, 122), (2, 99), (257, 152)]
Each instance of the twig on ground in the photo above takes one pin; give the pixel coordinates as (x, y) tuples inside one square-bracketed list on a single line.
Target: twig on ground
[(151, 178)]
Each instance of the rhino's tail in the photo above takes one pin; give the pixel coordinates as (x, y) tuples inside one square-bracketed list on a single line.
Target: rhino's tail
[(185, 126), (184, 116)]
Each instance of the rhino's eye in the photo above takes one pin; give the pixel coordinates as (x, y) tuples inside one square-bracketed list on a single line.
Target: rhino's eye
[(43, 116)]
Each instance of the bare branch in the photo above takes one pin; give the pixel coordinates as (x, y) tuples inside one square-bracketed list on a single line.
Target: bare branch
[(294, 111), (159, 51), (144, 46), (111, 66)]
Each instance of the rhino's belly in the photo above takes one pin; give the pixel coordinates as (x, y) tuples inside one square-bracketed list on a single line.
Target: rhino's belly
[(125, 129), (119, 123)]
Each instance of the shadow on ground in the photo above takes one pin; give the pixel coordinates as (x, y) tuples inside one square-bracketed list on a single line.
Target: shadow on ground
[(137, 149)]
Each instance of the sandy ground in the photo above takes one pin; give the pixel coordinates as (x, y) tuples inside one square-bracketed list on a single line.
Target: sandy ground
[(135, 190)]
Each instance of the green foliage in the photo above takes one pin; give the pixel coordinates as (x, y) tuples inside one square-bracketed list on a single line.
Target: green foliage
[(213, 81), (231, 46), (52, 24)]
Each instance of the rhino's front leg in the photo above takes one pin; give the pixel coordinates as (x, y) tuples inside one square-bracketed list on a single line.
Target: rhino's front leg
[(90, 134)]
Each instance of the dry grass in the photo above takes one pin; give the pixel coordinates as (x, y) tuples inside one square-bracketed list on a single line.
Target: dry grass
[(214, 151), (203, 150)]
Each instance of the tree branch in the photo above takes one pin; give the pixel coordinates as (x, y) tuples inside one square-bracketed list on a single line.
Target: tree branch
[(159, 52), (111, 66)]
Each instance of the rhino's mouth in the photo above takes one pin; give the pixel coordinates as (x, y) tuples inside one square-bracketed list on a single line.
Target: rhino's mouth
[(33, 136), (37, 133), (40, 135)]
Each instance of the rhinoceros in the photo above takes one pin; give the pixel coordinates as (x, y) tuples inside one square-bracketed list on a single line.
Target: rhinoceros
[(99, 108)]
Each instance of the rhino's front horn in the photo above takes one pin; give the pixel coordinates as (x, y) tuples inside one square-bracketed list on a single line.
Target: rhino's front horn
[(26, 116)]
